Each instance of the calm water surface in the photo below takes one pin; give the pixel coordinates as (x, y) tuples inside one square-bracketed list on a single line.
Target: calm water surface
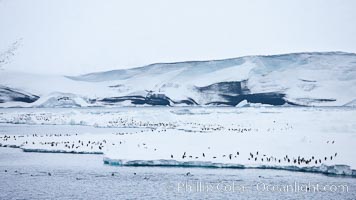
[(71, 176)]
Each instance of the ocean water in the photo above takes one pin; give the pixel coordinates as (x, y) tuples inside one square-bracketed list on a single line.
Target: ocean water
[(78, 176)]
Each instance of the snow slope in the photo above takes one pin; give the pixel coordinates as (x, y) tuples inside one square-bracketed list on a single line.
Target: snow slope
[(309, 79)]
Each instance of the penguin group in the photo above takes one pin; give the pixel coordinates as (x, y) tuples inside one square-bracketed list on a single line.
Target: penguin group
[(258, 157)]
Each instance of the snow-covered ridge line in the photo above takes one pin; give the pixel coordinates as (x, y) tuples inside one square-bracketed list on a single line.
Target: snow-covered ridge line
[(90, 76), (306, 79), (324, 169)]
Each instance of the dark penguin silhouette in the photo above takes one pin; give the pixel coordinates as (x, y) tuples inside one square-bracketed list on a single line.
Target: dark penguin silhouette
[(183, 155)]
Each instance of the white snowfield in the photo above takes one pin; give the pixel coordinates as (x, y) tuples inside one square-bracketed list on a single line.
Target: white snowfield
[(311, 79), (303, 139)]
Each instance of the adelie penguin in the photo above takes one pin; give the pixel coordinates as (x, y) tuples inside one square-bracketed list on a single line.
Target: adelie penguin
[(183, 155)]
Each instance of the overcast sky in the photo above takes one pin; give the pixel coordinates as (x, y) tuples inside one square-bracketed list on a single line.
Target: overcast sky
[(81, 36)]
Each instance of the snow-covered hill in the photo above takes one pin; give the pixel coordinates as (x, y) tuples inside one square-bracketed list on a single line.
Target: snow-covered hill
[(309, 79)]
